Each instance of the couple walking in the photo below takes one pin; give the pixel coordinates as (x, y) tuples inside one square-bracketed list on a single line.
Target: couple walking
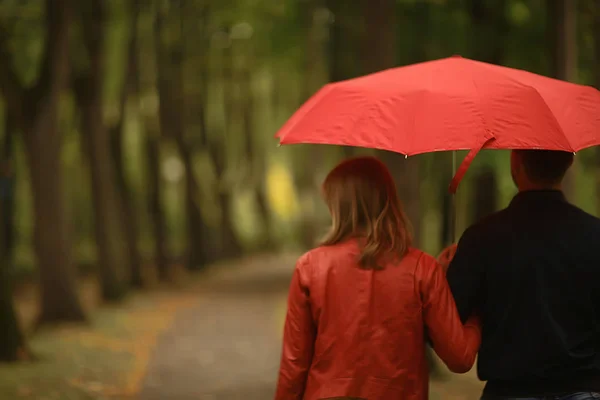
[(521, 288)]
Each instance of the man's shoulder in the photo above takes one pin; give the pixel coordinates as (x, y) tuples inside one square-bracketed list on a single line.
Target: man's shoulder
[(489, 223), (584, 215)]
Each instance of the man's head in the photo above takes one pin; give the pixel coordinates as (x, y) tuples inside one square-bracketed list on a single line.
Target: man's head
[(539, 169)]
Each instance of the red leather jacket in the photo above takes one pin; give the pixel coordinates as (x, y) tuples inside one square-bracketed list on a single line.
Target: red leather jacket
[(351, 332)]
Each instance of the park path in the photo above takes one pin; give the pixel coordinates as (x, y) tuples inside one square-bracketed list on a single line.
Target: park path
[(227, 347)]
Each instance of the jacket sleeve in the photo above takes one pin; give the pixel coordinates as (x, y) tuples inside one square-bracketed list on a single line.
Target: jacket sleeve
[(465, 274), (456, 344), (298, 338)]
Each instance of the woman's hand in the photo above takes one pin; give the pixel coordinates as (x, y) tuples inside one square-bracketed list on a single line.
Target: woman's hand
[(446, 256)]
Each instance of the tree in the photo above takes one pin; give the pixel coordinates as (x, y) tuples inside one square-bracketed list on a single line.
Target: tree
[(89, 87), (12, 341), (379, 52), (561, 29), (255, 158), (489, 28), (146, 85), (35, 110), (313, 63), (128, 214), (230, 244), (485, 199), (342, 51), (596, 24), (170, 58)]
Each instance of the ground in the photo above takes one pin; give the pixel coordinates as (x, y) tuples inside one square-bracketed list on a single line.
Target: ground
[(216, 338)]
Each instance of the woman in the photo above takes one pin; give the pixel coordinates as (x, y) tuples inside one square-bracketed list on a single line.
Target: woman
[(359, 305)]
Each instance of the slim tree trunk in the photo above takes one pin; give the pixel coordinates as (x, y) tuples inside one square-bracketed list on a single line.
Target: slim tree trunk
[(170, 78), (146, 81), (8, 175), (485, 199), (596, 24), (230, 243), (489, 28), (89, 92), (255, 158), (128, 215), (342, 50), (561, 28), (379, 52), (12, 341), (306, 160), (155, 204)]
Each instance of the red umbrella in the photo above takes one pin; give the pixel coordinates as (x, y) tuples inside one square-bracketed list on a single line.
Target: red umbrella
[(449, 104)]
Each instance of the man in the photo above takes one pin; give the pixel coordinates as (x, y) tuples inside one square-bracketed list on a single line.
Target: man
[(532, 272)]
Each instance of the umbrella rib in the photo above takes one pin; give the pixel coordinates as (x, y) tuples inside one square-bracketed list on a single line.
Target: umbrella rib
[(484, 124)]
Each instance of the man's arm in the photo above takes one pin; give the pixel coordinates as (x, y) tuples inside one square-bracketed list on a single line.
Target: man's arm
[(465, 274)]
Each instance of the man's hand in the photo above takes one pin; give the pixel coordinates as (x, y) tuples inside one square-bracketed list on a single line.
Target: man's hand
[(446, 256)]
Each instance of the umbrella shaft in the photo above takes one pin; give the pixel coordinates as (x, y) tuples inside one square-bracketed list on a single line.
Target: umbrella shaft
[(452, 224)]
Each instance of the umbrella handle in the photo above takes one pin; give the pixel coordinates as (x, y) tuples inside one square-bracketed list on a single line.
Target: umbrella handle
[(458, 174), (464, 165)]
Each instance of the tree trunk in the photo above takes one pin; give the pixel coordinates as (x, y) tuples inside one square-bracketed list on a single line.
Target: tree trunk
[(561, 28), (596, 25), (155, 205), (170, 74), (89, 92), (307, 159), (255, 159), (445, 231), (342, 50), (146, 82), (489, 28), (485, 200), (12, 341), (197, 257), (59, 298), (231, 246), (8, 175), (379, 53), (443, 161), (128, 215)]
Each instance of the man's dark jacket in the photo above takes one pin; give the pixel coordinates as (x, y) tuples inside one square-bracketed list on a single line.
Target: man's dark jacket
[(532, 272)]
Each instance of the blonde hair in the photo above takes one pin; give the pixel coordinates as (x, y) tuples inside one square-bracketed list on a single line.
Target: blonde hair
[(363, 202)]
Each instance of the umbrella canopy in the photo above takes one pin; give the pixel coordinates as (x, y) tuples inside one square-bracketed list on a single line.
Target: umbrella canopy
[(449, 104)]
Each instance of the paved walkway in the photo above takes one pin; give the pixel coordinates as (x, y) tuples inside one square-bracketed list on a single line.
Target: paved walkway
[(228, 346)]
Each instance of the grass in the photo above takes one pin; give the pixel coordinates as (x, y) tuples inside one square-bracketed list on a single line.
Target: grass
[(107, 360)]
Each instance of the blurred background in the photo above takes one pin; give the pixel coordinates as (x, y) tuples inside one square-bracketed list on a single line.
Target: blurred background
[(149, 222)]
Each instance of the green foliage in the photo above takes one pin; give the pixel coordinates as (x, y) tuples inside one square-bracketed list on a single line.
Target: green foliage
[(272, 39)]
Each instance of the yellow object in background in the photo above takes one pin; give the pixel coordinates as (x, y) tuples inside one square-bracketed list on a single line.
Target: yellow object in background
[(281, 191)]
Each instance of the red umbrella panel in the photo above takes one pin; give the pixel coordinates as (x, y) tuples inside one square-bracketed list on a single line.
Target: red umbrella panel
[(447, 105)]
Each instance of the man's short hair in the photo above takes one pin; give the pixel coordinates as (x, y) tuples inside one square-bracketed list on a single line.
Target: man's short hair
[(546, 167)]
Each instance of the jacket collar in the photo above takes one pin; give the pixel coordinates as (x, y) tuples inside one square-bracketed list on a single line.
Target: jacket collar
[(538, 196)]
